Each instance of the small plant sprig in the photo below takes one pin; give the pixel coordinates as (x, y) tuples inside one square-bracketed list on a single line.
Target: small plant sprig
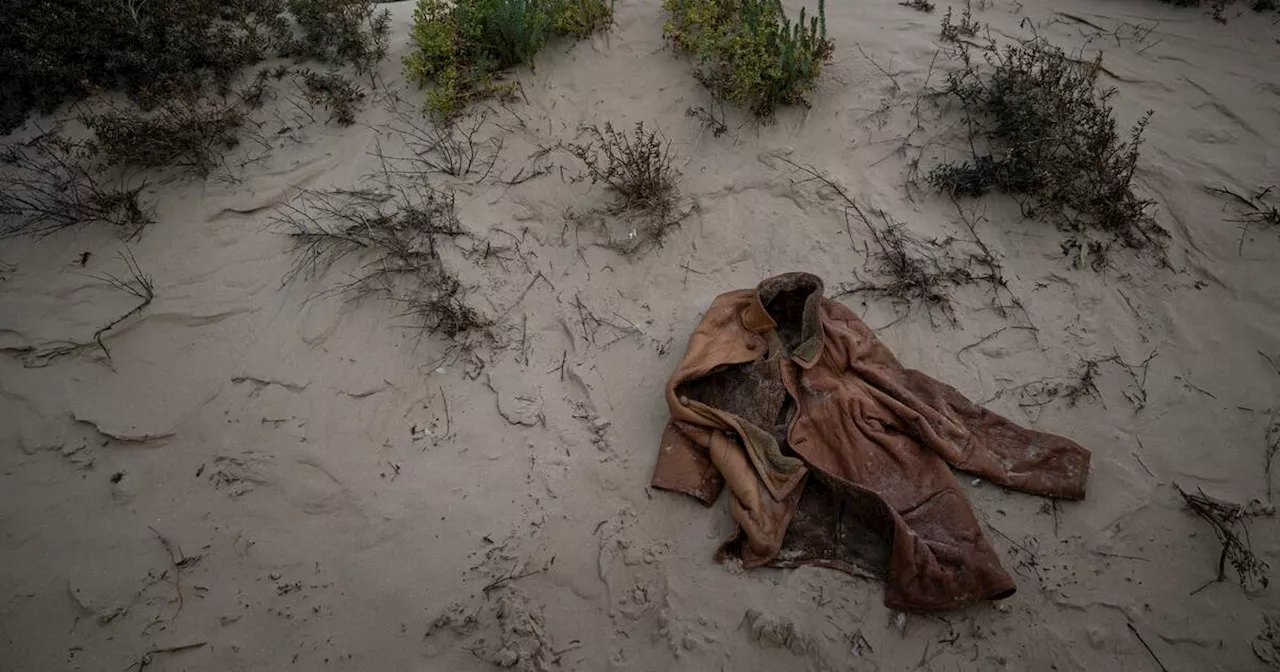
[(954, 32)]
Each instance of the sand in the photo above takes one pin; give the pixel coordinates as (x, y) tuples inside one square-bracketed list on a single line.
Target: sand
[(266, 477)]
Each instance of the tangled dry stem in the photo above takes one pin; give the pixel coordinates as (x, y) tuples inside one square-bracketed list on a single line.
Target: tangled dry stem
[(395, 235), (50, 183), (454, 146), (916, 272), (1230, 525), (1257, 211)]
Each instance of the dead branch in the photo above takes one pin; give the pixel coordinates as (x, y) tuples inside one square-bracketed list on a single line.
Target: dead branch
[(51, 183), (1230, 525)]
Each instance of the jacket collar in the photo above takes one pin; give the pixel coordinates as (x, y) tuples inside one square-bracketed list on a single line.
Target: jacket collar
[(789, 288)]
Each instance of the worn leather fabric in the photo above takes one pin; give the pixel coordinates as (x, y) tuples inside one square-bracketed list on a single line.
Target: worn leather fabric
[(836, 455)]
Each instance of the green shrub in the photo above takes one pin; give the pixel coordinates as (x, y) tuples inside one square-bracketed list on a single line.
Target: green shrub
[(155, 50), (748, 51), (1040, 128), (460, 48)]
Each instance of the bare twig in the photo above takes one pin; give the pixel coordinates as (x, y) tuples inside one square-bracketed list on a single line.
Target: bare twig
[(1154, 657), (1229, 523)]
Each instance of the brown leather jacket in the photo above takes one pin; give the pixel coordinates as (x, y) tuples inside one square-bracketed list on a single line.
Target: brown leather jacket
[(836, 455)]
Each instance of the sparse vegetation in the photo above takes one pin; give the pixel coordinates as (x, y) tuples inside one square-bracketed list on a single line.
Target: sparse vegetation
[(1256, 210), (748, 51), (914, 272), (51, 183), (158, 50), (454, 147), (1040, 129), (338, 32), (709, 119), (461, 48), (636, 166)]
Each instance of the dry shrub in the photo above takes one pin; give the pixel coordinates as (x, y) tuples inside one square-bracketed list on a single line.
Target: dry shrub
[(182, 133), (638, 169), (1042, 130), (51, 183), (395, 237), (451, 146)]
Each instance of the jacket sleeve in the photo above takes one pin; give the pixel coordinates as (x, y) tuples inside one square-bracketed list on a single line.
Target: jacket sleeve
[(986, 444), (685, 467)]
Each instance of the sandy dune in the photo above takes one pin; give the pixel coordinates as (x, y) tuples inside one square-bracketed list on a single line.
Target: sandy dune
[(277, 479)]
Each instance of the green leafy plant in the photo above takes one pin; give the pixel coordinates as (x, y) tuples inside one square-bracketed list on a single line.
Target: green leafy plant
[(156, 50), (1042, 130), (748, 51), (461, 48)]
